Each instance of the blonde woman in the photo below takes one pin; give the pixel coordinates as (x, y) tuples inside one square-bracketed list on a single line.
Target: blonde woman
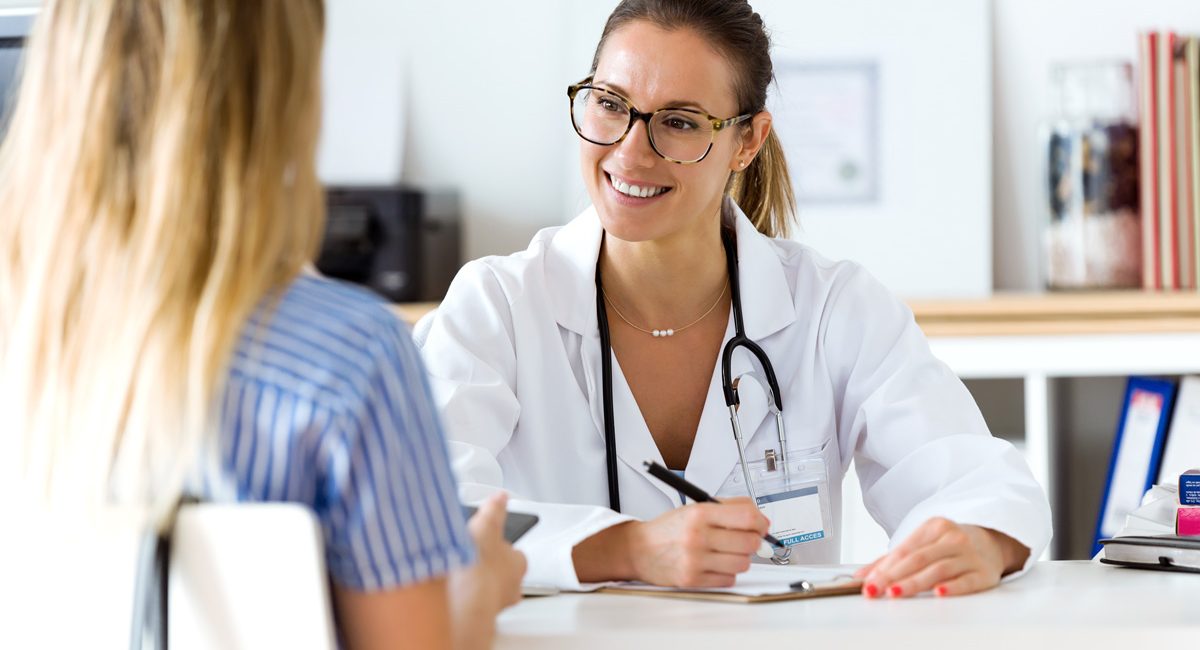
[(158, 335)]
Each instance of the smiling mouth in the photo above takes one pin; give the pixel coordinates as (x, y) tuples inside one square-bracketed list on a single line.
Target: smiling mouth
[(635, 191)]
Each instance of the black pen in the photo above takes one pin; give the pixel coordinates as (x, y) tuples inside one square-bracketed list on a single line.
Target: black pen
[(692, 492)]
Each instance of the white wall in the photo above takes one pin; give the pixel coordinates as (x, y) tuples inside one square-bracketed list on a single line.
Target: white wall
[(517, 169), (487, 102), (934, 203), (514, 185), (481, 92)]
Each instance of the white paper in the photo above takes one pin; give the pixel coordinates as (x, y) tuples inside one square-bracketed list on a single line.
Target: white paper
[(1133, 458), (1183, 440)]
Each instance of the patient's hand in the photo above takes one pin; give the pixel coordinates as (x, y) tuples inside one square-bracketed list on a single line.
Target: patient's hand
[(478, 593), (949, 558)]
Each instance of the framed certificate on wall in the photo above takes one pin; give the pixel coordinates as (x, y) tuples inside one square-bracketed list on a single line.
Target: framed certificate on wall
[(885, 117), (832, 115)]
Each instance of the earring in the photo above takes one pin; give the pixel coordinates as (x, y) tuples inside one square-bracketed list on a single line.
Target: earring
[(741, 164)]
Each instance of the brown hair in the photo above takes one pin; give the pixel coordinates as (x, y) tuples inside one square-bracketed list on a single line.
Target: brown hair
[(763, 189)]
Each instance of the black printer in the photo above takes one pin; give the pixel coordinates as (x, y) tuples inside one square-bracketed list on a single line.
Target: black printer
[(401, 242)]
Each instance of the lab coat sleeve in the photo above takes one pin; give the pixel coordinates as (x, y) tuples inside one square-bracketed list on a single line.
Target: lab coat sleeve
[(468, 345), (921, 447)]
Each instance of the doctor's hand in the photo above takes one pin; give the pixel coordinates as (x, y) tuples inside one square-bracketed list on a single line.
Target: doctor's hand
[(949, 558), (479, 592), (698, 545)]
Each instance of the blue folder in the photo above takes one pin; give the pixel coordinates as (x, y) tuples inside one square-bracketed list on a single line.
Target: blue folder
[(1137, 452)]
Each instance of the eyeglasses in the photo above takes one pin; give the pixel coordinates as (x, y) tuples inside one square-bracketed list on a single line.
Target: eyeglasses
[(680, 135)]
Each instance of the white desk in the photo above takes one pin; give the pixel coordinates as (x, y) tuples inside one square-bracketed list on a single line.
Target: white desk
[(1057, 605)]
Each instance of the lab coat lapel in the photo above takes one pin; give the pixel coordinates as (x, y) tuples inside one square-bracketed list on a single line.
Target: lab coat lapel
[(571, 273), (768, 307), (570, 277), (768, 302), (714, 453)]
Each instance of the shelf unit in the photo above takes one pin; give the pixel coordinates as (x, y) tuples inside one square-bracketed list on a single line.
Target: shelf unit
[(1044, 338)]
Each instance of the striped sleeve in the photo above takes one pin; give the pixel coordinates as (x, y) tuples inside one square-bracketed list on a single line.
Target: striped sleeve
[(388, 497)]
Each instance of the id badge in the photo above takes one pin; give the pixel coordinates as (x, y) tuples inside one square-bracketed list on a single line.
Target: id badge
[(791, 490)]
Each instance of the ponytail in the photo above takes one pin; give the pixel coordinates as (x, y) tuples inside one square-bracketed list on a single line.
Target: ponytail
[(764, 190)]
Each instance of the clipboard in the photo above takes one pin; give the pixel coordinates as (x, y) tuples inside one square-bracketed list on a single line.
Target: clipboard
[(763, 583)]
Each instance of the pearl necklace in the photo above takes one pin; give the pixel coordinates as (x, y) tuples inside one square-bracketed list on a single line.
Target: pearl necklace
[(663, 333)]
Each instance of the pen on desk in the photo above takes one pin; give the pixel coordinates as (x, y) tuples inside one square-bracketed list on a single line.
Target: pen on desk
[(692, 492)]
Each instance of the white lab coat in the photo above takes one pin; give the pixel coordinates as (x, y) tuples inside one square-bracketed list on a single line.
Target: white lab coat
[(514, 358)]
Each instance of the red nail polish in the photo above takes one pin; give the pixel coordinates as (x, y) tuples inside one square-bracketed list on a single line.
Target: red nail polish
[(941, 590), (871, 590), (894, 591)]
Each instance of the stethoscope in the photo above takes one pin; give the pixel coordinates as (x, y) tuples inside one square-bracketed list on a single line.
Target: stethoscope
[(728, 384)]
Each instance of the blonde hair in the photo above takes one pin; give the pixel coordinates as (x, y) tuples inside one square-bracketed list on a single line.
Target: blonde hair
[(158, 182), (764, 190)]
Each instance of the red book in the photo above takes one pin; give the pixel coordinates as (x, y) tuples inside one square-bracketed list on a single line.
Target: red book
[(1183, 157), (1192, 148)]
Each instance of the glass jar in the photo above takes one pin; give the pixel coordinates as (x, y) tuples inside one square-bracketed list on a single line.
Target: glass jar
[(1093, 239)]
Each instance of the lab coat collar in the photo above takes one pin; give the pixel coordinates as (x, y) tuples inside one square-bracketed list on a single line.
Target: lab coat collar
[(768, 303), (571, 273)]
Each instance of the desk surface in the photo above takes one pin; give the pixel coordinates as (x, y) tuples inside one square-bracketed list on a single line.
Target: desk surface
[(1057, 605)]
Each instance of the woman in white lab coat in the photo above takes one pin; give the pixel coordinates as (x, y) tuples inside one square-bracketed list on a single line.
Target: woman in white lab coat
[(677, 149)]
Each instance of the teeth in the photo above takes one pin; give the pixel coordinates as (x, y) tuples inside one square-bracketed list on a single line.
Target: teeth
[(635, 190)]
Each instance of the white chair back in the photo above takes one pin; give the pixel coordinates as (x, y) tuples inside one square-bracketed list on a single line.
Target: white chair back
[(249, 576), (65, 585), (241, 576)]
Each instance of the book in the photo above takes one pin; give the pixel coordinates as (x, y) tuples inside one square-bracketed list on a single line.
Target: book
[(1168, 220), (1189, 488), (1162, 552), (1181, 450), (1192, 64), (1185, 241), (1137, 451), (1148, 159), (1187, 521)]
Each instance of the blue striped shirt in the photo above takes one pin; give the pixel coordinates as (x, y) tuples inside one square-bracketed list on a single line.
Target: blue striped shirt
[(327, 405)]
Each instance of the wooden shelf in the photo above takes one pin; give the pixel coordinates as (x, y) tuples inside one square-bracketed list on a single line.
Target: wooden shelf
[(412, 312), (1049, 314), (1132, 312)]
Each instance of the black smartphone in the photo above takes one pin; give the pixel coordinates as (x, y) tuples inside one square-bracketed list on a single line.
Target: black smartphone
[(516, 524)]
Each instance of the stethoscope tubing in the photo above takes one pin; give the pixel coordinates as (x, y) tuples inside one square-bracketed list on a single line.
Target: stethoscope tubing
[(739, 340), (610, 436)]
